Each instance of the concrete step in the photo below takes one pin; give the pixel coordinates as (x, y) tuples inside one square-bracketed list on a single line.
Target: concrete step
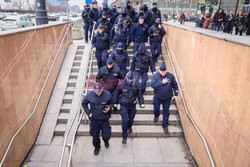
[(70, 90), (149, 109), (78, 57), (71, 83), (76, 63), (60, 129), (73, 76), (79, 52), (94, 73), (75, 69), (67, 99), (138, 131), (140, 119), (65, 108)]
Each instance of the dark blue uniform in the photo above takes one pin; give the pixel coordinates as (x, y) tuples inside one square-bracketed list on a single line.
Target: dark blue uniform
[(141, 14), (110, 79), (121, 59), (163, 94), (114, 15), (106, 9), (99, 119), (152, 15), (85, 15), (129, 92), (93, 16), (106, 23), (119, 33), (130, 12), (139, 35), (155, 41), (140, 65), (126, 19), (102, 45)]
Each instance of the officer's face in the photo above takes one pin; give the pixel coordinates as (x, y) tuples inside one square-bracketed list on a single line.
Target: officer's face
[(100, 30), (163, 73), (104, 16), (119, 48), (95, 5), (154, 6), (141, 21), (110, 65), (99, 93)]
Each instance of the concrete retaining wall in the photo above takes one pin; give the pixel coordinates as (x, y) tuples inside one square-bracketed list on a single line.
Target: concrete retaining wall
[(26, 57), (214, 74)]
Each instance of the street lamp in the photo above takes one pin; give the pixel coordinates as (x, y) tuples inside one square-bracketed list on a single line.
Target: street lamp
[(41, 12)]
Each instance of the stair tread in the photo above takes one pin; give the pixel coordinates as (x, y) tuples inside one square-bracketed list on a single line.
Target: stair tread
[(149, 129)]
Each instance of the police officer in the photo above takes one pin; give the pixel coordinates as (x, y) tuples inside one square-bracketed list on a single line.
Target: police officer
[(130, 10), (145, 7), (156, 33), (114, 15), (85, 15), (101, 46), (121, 59), (105, 22), (153, 14), (119, 33), (110, 75), (106, 9), (140, 65), (93, 16), (139, 34), (164, 84), (126, 19), (99, 113), (141, 13), (128, 93)]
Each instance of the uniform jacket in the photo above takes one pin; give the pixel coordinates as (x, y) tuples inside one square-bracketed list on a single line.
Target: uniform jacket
[(97, 105), (142, 62), (165, 91), (101, 41)]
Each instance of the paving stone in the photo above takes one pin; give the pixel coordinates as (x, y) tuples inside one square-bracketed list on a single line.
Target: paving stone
[(147, 150)]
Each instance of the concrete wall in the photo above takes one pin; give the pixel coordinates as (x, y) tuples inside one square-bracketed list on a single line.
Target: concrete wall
[(214, 75), (26, 58)]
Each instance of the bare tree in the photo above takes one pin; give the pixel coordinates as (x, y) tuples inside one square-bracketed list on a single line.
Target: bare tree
[(18, 4)]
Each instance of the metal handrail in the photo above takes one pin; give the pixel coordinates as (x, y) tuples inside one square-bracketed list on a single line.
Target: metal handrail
[(75, 116), (186, 111), (41, 92)]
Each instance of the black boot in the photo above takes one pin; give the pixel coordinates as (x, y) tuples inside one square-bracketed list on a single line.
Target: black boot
[(165, 129), (124, 140), (106, 144), (96, 151), (115, 107), (155, 119), (130, 130)]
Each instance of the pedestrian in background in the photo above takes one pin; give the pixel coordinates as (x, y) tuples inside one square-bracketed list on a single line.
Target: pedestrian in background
[(200, 21), (229, 22), (208, 22), (182, 18), (239, 23)]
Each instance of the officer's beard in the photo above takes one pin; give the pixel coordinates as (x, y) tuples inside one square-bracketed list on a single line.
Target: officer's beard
[(114, 9), (141, 13), (155, 9), (104, 19)]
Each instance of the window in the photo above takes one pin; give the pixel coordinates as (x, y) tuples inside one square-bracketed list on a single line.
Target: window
[(7, 0)]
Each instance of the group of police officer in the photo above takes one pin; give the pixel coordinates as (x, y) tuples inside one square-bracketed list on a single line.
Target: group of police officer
[(114, 84)]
